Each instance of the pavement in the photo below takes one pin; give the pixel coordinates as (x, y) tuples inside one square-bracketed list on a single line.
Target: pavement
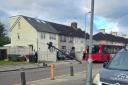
[(7, 68), (78, 79)]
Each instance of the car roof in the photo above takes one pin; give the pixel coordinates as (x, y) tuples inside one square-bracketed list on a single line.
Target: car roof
[(124, 50)]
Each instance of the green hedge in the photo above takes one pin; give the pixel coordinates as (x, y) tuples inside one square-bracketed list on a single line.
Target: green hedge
[(15, 57)]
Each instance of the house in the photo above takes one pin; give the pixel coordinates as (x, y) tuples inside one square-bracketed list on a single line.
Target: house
[(35, 34), (70, 36), (109, 39)]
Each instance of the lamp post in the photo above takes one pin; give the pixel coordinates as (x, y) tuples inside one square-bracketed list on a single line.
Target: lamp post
[(86, 14), (89, 62), (85, 33)]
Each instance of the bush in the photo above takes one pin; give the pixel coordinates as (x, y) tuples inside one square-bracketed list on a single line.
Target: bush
[(14, 57)]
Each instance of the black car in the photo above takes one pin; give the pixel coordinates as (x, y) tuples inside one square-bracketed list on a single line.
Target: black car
[(114, 72)]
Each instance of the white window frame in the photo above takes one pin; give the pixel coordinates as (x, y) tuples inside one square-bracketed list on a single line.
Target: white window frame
[(42, 35)]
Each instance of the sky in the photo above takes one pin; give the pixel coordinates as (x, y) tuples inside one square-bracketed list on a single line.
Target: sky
[(111, 15)]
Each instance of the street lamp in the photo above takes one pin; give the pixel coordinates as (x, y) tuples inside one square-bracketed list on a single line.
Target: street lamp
[(89, 62), (85, 32), (86, 16)]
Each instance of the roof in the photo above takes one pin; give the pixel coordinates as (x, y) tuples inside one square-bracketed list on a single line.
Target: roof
[(68, 30), (51, 27), (109, 37), (40, 25)]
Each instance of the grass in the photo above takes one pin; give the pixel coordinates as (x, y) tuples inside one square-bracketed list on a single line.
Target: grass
[(11, 62)]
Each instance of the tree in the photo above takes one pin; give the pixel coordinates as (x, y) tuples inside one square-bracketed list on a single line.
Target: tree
[(4, 39)]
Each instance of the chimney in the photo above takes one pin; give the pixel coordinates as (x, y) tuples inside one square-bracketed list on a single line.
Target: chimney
[(102, 30), (74, 25), (114, 33)]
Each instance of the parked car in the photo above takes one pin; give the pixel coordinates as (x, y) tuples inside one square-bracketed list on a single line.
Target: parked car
[(60, 56), (114, 72)]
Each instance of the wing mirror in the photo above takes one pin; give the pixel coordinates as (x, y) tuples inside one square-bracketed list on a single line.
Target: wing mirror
[(105, 64)]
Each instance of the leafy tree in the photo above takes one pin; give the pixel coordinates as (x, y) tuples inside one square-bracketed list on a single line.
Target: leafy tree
[(4, 39)]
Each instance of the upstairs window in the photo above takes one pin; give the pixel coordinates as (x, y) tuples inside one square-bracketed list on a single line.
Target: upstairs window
[(63, 39), (52, 37), (70, 39), (18, 35), (76, 40), (82, 41), (42, 35)]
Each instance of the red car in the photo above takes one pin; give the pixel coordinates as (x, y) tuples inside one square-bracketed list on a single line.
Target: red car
[(102, 53)]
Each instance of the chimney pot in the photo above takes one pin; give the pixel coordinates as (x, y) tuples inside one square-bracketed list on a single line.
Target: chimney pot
[(114, 33), (74, 25), (102, 30)]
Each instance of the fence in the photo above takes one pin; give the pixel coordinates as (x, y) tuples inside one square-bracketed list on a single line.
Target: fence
[(18, 50), (47, 56), (42, 55)]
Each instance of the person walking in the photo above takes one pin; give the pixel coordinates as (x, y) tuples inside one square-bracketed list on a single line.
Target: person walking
[(36, 57), (72, 53)]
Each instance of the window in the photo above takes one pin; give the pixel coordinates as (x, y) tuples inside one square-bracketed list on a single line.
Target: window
[(95, 49), (63, 47), (70, 39), (42, 35), (52, 37), (82, 41), (18, 35), (31, 47), (76, 40), (105, 50), (63, 39), (120, 62)]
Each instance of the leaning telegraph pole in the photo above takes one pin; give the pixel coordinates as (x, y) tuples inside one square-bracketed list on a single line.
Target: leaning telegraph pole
[(89, 62)]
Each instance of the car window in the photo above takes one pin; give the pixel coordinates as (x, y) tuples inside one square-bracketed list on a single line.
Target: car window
[(120, 61), (95, 49)]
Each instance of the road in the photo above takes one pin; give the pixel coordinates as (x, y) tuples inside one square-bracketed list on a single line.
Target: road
[(11, 78)]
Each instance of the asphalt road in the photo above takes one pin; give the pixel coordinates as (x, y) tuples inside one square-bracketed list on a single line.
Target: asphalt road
[(11, 78)]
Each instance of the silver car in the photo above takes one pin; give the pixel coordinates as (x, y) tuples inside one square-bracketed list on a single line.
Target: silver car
[(114, 72)]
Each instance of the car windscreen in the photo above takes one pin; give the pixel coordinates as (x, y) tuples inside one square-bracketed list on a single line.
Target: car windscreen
[(95, 49), (120, 61)]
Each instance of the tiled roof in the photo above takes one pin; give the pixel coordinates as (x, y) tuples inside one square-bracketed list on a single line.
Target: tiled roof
[(68, 30), (109, 37), (45, 26), (99, 36), (40, 25)]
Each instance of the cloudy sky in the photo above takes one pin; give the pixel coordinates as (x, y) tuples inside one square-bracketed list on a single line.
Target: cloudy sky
[(111, 15)]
